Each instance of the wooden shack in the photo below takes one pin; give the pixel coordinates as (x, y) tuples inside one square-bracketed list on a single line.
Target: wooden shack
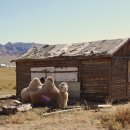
[(102, 68)]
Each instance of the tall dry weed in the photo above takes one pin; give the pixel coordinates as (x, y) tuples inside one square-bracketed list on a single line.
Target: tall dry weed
[(116, 120)]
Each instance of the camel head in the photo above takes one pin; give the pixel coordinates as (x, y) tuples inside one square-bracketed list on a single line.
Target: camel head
[(63, 87)]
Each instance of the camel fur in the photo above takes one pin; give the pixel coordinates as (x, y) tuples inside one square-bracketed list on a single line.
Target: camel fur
[(34, 85), (38, 93), (63, 95), (48, 92)]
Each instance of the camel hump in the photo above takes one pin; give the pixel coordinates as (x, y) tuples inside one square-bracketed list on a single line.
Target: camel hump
[(49, 79)]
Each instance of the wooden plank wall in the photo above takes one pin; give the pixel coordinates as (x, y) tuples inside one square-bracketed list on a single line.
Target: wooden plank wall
[(95, 79), (119, 79), (128, 91), (23, 76), (92, 75), (23, 70), (127, 53), (128, 85), (124, 51)]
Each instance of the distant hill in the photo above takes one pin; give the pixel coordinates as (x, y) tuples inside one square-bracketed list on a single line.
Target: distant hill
[(15, 49), (11, 50)]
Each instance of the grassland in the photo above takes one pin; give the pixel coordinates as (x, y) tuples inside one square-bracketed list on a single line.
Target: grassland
[(7, 81)]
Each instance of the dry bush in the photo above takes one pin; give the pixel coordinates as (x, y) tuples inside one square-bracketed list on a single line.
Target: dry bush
[(16, 119), (21, 117), (116, 120)]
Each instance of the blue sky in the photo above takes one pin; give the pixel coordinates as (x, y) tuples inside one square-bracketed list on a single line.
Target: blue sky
[(63, 21)]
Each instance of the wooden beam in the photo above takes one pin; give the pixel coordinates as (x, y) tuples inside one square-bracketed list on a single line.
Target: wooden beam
[(110, 78), (61, 111), (105, 106)]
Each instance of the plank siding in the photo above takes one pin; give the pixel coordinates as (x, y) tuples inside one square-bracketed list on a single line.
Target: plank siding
[(93, 75), (128, 91), (23, 70), (124, 50), (128, 81), (98, 78), (119, 80), (95, 79), (23, 77)]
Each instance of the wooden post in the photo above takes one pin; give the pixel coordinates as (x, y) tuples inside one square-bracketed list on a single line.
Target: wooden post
[(110, 78), (61, 111)]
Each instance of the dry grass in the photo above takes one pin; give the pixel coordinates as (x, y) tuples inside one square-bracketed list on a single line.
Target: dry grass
[(33, 119), (22, 117), (7, 80), (36, 114), (118, 119)]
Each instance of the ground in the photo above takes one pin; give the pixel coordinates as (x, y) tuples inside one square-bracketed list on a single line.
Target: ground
[(115, 118), (77, 120)]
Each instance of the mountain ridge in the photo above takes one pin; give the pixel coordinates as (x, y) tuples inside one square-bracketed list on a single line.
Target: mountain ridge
[(10, 51), (17, 48)]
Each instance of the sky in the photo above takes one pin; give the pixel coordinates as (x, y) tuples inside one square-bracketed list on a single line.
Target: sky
[(63, 21)]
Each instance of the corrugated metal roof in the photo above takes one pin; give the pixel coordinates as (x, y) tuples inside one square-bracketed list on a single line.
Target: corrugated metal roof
[(100, 48)]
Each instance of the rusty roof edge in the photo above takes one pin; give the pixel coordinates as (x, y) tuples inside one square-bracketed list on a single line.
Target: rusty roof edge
[(123, 43), (63, 57)]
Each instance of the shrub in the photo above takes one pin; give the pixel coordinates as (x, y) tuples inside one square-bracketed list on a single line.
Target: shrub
[(116, 120)]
